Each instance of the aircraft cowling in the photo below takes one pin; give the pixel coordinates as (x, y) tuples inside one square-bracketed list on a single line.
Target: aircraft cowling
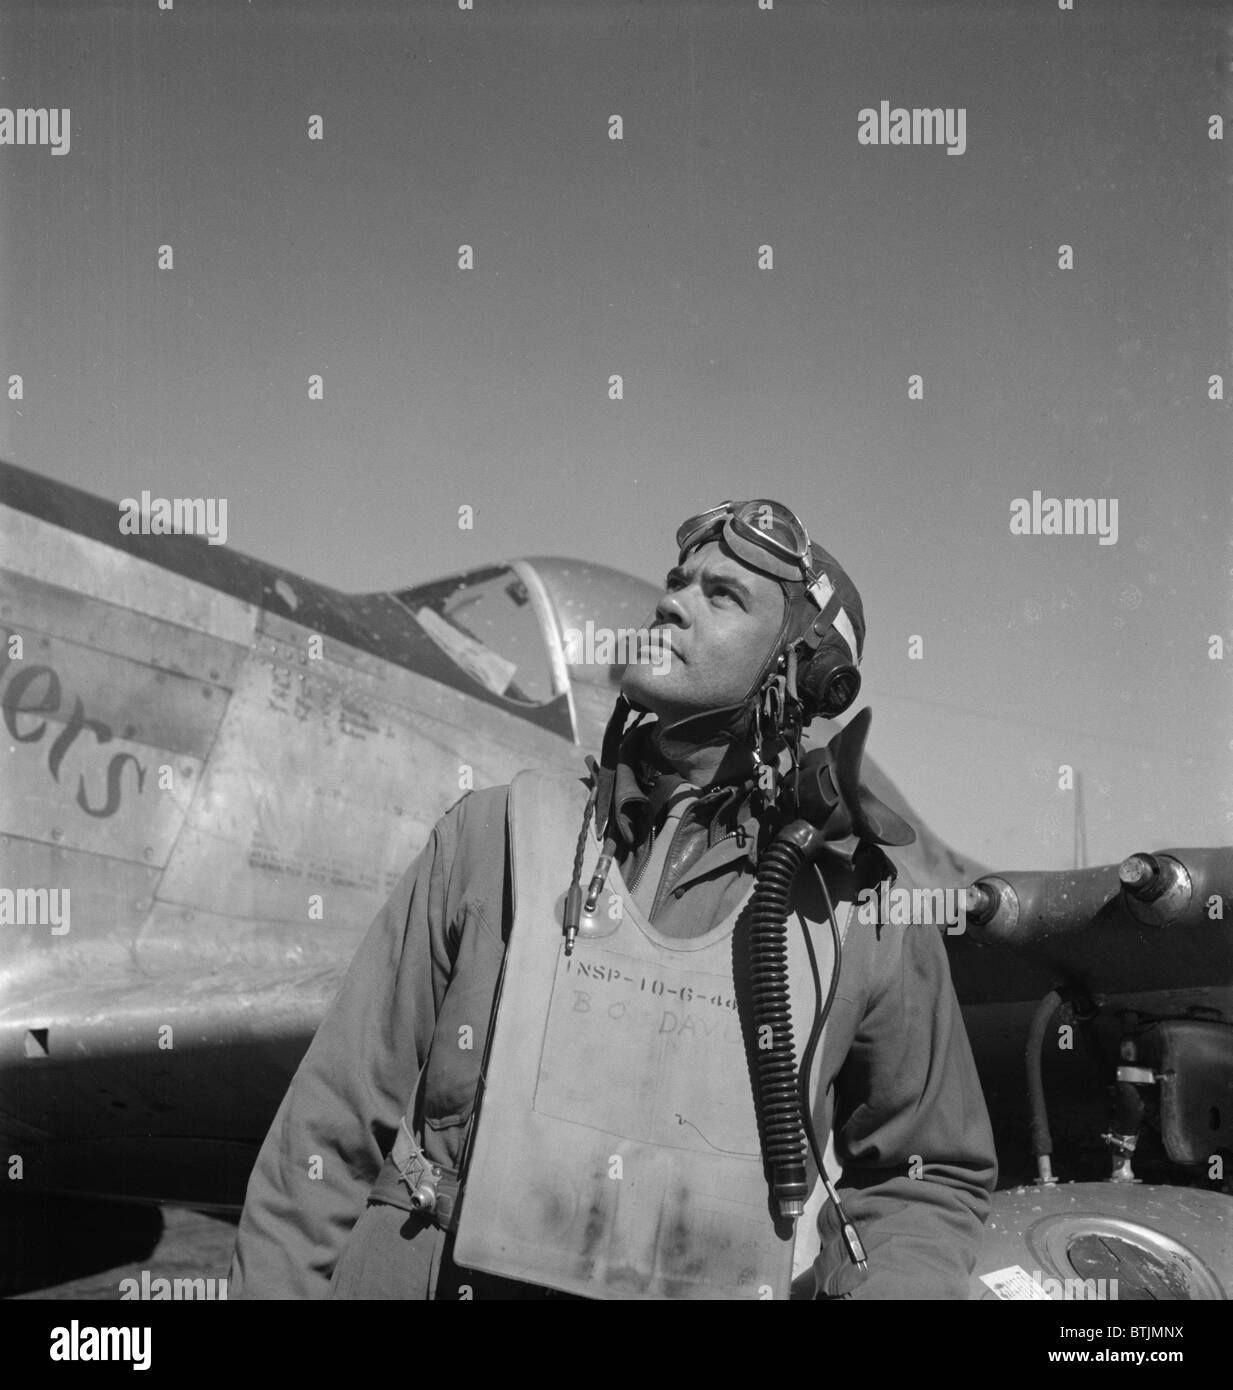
[(1087, 927)]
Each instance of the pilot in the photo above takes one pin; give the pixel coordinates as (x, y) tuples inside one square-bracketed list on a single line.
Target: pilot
[(386, 1136)]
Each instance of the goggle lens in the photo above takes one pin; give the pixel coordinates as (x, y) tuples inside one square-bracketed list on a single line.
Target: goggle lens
[(772, 526), (690, 533), (764, 523)]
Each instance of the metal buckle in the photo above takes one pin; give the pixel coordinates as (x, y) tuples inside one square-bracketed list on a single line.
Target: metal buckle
[(420, 1174)]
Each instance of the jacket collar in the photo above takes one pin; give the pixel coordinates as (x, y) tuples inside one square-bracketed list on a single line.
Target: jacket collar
[(645, 777)]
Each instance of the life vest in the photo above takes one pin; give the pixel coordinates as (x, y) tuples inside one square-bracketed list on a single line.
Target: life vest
[(616, 1153)]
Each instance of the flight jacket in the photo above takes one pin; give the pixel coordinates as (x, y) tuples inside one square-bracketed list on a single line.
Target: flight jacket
[(910, 1125)]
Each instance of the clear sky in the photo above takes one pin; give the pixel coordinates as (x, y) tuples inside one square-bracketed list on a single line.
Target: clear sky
[(639, 257)]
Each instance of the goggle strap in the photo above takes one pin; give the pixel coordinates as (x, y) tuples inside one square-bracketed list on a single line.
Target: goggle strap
[(820, 590), (843, 626), (831, 616)]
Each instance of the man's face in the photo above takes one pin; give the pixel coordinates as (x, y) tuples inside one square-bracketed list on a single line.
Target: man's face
[(719, 619)]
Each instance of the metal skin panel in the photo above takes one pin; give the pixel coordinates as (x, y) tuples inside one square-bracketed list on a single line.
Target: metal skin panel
[(85, 735), (155, 1088), (113, 696), (38, 550), (104, 627), (108, 897), (308, 791), (174, 939), (106, 797), (495, 726)]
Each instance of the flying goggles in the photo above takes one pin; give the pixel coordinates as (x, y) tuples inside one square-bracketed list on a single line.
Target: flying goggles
[(770, 538)]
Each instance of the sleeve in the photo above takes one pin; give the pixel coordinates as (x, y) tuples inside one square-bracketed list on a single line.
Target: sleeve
[(912, 1132), (339, 1116)]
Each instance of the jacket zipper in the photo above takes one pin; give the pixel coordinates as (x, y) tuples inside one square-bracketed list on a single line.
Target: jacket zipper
[(637, 878), (642, 867), (658, 902)]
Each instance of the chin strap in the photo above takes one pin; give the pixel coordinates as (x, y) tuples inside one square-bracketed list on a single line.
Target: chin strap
[(790, 674), (768, 668)]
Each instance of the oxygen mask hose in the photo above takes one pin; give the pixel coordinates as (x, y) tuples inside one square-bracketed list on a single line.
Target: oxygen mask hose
[(783, 1133), (829, 802)]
